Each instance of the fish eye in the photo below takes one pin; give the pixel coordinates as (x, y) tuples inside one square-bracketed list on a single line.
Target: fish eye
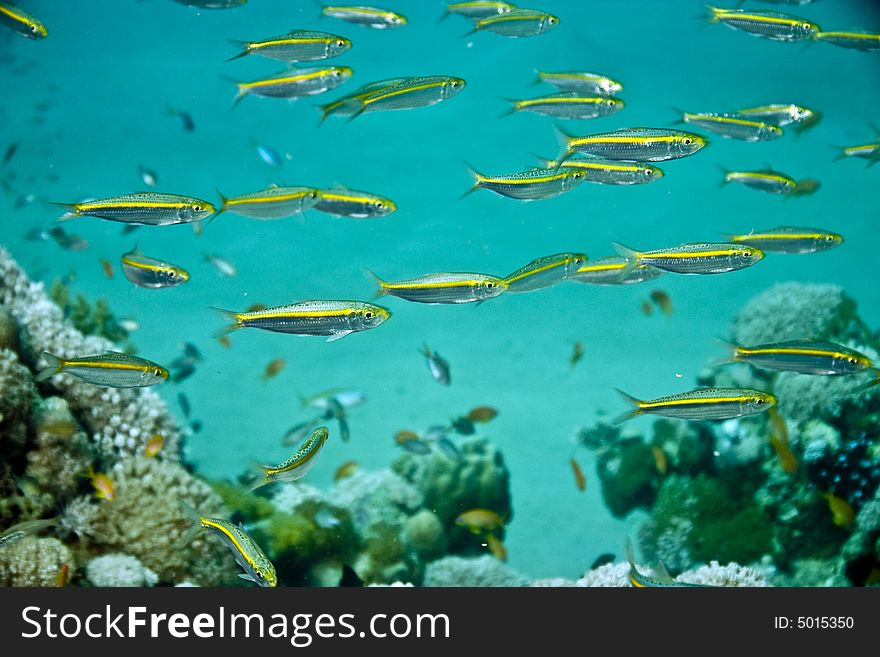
[(687, 141), (197, 208), (171, 273), (379, 204), (648, 172), (852, 361), (759, 400), (747, 254), (577, 174), (806, 26), (369, 314), (829, 238), (340, 43), (336, 72), (453, 84), (259, 575), (551, 20), (157, 372), (489, 285)]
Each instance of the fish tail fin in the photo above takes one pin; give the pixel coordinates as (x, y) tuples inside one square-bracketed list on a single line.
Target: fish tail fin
[(873, 161), (841, 152), (538, 79), (326, 110), (475, 29), (630, 554), (635, 411), (444, 15), (239, 95), (680, 113), (71, 211), (321, 7), (724, 173), (713, 13), (261, 478), (229, 328), (563, 137), (245, 49), (733, 348), (195, 519), (477, 177), (631, 255), (546, 162), (381, 288), (55, 365), (514, 107), (869, 384)]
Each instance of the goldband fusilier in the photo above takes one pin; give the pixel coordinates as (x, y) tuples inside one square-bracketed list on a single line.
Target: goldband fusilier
[(294, 83), (517, 23), (350, 103), (544, 272), (866, 41), (250, 556), (408, 93), (455, 287), (477, 9), (767, 24), (581, 82), (734, 126), (693, 258), (111, 370), (767, 180), (783, 114), (870, 152), (147, 208), (151, 273), (373, 17), (567, 105), (790, 239), (531, 185), (298, 465), (804, 357), (660, 578), (21, 22), (631, 144), (613, 270), (701, 404), (609, 172), (331, 318), (295, 46), (271, 203), (350, 203)]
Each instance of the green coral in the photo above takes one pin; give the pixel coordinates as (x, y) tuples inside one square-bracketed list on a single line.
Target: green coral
[(628, 475), (249, 507), (89, 320)]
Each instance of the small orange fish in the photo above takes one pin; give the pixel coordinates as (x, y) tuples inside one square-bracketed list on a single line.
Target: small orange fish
[(154, 445), (103, 485), (662, 301), (63, 576), (647, 308), (496, 547), (405, 436), (841, 511), (579, 479), (479, 520), (225, 341), (577, 353), (787, 460), (345, 470), (273, 368), (778, 423), (482, 414), (107, 266), (660, 461)]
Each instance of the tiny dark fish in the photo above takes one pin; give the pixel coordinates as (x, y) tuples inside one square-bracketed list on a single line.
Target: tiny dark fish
[(338, 411), (602, 560), (196, 426), (463, 426), (438, 366), (183, 400), (662, 301), (182, 374), (416, 446), (37, 235), (186, 121), (66, 241), (577, 353), (448, 448), (10, 153), (191, 351)]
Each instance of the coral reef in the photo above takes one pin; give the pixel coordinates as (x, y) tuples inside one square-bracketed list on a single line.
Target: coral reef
[(471, 571), (119, 570), (88, 320), (35, 562)]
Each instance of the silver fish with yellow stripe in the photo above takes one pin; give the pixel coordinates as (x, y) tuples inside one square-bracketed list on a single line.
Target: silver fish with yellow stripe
[(111, 369), (790, 239), (409, 93), (613, 270), (274, 202), (445, 287), (734, 126), (568, 105), (294, 83), (258, 568), (767, 24), (766, 180), (350, 103), (865, 41), (694, 258), (20, 22), (334, 319), (531, 185), (782, 114), (477, 9), (517, 23), (870, 152), (544, 272), (151, 273), (660, 578), (609, 172), (804, 357), (298, 465), (343, 202), (147, 208), (295, 46), (581, 82), (702, 404), (631, 144), (373, 17)]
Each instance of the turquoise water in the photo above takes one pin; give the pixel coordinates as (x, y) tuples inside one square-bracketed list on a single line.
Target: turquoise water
[(110, 69)]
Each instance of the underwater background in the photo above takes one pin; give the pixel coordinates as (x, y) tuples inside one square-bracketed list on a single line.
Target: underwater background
[(89, 105)]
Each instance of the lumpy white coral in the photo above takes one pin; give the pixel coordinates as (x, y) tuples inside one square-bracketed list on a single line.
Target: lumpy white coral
[(472, 571), (377, 497), (34, 562), (119, 570)]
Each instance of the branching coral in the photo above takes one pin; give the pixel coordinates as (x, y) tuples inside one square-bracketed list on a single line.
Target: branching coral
[(34, 562)]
